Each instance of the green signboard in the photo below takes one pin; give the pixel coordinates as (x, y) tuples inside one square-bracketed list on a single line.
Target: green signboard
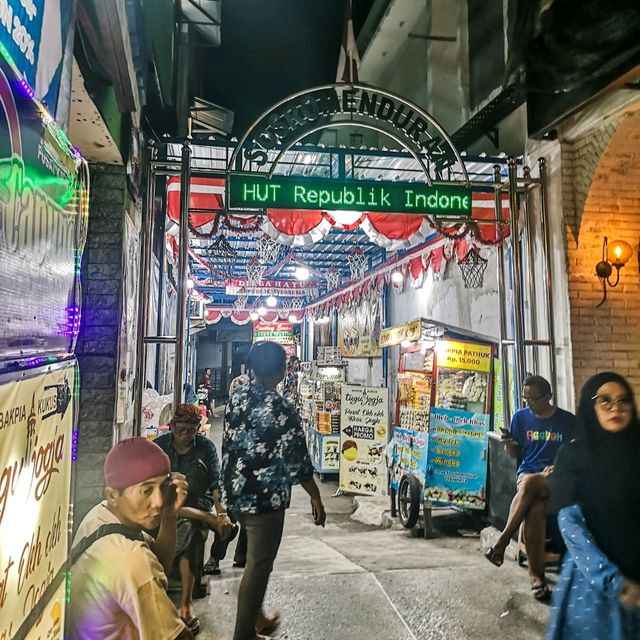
[(250, 191)]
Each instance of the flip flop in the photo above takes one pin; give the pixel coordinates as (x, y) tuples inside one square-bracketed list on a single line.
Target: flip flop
[(541, 591), (268, 624), (210, 568), (494, 557), (193, 625)]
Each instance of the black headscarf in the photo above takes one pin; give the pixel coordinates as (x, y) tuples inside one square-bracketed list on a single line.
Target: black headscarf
[(601, 473)]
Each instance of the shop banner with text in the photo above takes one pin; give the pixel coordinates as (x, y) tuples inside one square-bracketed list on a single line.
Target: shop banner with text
[(469, 356), (359, 328), (36, 432), (34, 33), (457, 458), (42, 227), (407, 454), (280, 332), (364, 428), (411, 331)]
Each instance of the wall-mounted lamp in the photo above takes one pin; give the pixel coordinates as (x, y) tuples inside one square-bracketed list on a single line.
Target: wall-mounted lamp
[(614, 254)]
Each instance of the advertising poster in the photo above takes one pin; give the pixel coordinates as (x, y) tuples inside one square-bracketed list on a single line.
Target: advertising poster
[(498, 396), (408, 454), (50, 625), (34, 33), (452, 354), (359, 328), (280, 332), (43, 209), (36, 432), (364, 427), (457, 458)]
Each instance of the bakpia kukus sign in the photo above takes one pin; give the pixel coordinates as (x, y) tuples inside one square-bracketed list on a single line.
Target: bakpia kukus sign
[(36, 451)]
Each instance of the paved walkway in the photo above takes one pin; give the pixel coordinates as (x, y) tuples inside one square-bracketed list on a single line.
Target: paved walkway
[(349, 581)]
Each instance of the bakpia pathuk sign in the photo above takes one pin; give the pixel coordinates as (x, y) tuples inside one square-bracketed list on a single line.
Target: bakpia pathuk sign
[(36, 430)]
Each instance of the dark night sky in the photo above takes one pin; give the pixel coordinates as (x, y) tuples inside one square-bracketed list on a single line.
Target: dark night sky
[(272, 48)]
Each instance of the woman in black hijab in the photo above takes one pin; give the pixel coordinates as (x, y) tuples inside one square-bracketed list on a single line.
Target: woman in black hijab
[(596, 490)]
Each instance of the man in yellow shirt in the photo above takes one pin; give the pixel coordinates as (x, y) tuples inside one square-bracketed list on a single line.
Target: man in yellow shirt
[(118, 585)]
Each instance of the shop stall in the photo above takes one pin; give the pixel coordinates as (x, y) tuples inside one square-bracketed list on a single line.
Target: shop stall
[(443, 412), (320, 406)]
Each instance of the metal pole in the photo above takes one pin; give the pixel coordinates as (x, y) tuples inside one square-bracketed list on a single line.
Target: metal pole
[(533, 300), (519, 365), (143, 289), (183, 266), (503, 306), (546, 239)]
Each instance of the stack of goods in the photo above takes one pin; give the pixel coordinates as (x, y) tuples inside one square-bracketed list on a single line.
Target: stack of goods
[(329, 356), (323, 422)]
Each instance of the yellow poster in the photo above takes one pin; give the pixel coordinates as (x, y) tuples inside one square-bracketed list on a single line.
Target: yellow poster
[(469, 356), (36, 430), (50, 624)]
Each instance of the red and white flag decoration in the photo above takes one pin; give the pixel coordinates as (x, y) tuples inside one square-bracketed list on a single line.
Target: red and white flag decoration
[(349, 60)]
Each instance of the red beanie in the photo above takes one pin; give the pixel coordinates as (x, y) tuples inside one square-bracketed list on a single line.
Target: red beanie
[(133, 461)]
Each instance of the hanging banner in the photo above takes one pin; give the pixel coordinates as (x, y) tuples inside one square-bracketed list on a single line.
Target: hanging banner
[(359, 328), (457, 458), (364, 428), (36, 452), (42, 226), (33, 34)]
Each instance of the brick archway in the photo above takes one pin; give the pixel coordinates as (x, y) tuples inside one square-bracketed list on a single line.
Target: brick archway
[(608, 337)]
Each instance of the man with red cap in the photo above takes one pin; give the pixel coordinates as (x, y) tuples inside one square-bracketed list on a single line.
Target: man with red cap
[(118, 583)]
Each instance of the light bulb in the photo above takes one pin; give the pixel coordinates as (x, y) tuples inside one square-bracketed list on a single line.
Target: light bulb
[(262, 310), (254, 315), (397, 277), (302, 273), (405, 343), (190, 283), (292, 318), (272, 301)]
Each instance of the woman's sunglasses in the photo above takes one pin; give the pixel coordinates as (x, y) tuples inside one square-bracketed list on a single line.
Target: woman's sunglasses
[(607, 402)]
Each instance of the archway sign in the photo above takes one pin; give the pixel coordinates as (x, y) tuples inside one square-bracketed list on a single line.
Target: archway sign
[(253, 182)]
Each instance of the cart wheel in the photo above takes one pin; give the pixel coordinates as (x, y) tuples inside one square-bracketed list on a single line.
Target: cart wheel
[(409, 501)]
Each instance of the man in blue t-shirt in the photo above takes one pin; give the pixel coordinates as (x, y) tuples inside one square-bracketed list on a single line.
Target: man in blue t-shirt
[(535, 436)]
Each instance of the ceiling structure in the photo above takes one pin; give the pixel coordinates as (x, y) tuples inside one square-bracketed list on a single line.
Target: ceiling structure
[(210, 158)]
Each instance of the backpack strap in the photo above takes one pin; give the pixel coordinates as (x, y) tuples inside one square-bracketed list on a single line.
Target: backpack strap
[(100, 532)]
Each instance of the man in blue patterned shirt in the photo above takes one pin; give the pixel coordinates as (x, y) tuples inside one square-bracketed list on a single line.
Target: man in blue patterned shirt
[(264, 453)]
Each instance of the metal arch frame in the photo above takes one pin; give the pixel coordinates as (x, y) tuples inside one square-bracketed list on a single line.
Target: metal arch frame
[(328, 125), (349, 123)]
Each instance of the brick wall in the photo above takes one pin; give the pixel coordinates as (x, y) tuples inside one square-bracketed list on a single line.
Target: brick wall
[(97, 348), (601, 187)]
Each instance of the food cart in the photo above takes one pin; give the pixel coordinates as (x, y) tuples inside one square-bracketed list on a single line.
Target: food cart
[(443, 412)]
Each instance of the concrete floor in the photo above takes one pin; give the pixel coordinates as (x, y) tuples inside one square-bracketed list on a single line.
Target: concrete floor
[(354, 582)]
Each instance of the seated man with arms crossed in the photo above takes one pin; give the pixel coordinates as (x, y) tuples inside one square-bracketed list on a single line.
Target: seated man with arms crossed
[(118, 583), (536, 434)]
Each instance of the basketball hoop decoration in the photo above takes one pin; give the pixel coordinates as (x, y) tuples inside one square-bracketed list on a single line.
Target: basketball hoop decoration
[(358, 263), (268, 249), (473, 266), (222, 256), (297, 303), (254, 272), (333, 278), (240, 303)]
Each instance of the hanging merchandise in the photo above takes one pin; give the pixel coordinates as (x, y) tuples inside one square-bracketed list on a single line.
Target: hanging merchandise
[(358, 263), (254, 272), (359, 327), (240, 303), (222, 256), (268, 250), (473, 266), (333, 278)]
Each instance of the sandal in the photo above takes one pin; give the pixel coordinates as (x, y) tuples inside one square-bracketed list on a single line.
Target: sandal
[(541, 591), (494, 557), (266, 625), (211, 568), (193, 625)]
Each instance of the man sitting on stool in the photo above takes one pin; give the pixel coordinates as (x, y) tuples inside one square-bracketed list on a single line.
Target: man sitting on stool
[(536, 434)]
